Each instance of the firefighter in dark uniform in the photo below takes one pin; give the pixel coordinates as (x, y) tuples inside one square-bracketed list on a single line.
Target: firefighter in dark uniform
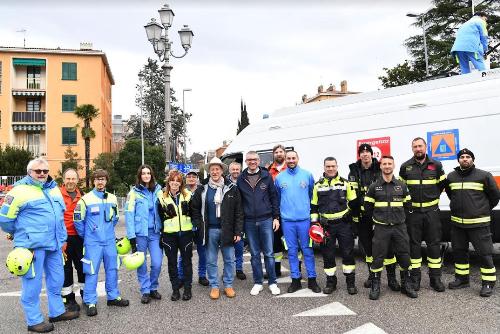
[(426, 180), (361, 174), (473, 194), (387, 202), (332, 200)]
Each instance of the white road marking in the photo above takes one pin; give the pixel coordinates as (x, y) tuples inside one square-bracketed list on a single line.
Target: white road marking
[(331, 309), (367, 328), (302, 293)]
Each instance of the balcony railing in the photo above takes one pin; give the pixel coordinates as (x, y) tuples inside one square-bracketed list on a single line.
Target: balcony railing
[(37, 150), (28, 117), (33, 83)]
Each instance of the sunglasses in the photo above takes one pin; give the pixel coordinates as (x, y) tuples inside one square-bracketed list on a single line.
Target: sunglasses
[(40, 171)]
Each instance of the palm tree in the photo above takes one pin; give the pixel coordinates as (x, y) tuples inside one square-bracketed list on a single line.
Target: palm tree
[(87, 112)]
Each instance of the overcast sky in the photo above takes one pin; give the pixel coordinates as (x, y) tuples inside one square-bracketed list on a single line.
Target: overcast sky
[(269, 53)]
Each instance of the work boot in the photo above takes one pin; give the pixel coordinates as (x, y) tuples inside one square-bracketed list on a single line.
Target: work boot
[(176, 295), (460, 282), (70, 302), (186, 295), (331, 284), (407, 286), (241, 275), (313, 285), (68, 315), (436, 283), (154, 294), (487, 288), (368, 283), (42, 327), (392, 282), (350, 280), (277, 268), (91, 310), (295, 286), (203, 281), (375, 286), (118, 302), (416, 277), (146, 298)]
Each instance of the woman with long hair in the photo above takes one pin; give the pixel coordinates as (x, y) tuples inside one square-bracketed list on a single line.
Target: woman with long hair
[(177, 232), (143, 229)]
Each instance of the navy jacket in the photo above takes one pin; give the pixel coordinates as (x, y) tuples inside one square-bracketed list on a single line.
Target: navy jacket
[(261, 202)]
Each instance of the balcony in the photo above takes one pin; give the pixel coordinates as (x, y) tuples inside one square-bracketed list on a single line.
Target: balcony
[(32, 87), (28, 117), (37, 150)]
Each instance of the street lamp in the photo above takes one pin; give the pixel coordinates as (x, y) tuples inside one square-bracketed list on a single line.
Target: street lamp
[(184, 117), (158, 36), (425, 39)]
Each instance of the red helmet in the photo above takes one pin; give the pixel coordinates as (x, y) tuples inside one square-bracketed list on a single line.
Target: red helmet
[(316, 233)]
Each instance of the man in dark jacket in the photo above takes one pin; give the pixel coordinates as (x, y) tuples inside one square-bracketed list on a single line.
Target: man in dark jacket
[(216, 211), (261, 210), (473, 194)]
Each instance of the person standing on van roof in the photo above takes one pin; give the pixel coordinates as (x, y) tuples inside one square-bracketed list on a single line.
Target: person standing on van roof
[(332, 202), (362, 174), (234, 173), (473, 194), (387, 202), (261, 211), (426, 180), (471, 43), (295, 186), (275, 168)]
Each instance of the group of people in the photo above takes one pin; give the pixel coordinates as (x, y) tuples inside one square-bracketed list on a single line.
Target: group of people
[(277, 208)]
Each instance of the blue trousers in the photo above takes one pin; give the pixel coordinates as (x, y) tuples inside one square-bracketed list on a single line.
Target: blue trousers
[(50, 262), (202, 258), (94, 255), (151, 243), (238, 254), (260, 237), (213, 246), (297, 236), (463, 60)]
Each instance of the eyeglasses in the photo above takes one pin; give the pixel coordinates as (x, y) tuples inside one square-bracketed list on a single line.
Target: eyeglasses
[(40, 171)]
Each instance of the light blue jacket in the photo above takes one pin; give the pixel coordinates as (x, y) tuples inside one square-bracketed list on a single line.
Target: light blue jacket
[(294, 187), (95, 217), (472, 36), (137, 211), (33, 212)]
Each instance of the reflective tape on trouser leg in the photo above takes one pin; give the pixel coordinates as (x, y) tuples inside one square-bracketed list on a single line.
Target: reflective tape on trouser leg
[(284, 242), (368, 259), (488, 274), (389, 261), (330, 271), (416, 263), (278, 257), (462, 268), (347, 268), (66, 290), (434, 263)]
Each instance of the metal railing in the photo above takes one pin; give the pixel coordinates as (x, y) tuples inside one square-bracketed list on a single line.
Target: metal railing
[(28, 116), (33, 83), (37, 150)]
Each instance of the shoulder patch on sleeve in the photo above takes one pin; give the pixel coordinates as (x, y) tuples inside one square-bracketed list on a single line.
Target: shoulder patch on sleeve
[(9, 199)]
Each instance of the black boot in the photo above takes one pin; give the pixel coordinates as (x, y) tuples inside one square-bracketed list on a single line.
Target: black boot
[(42, 327), (350, 280), (416, 277), (392, 282), (375, 286), (176, 295), (295, 286), (487, 288), (277, 268), (331, 284), (436, 283), (313, 285), (186, 295), (460, 282), (368, 283), (146, 298), (70, 302), (118, 302), (407, 286)]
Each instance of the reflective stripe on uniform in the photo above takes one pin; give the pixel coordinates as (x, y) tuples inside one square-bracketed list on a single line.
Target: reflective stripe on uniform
[(416, 182), (330, 271), (390, 261), (416, 263), (471, 220), (488, 274), (376, 270), (347, 269), (462, 269), (368, 259), (467, 185), (369, 199), (384, 204), (425, 204), (278, 256), (336, 215), (434, 263)]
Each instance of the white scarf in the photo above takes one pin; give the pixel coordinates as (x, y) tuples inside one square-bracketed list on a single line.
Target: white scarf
[(218, 194)]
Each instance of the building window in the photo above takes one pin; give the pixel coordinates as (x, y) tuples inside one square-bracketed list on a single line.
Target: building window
[(68, 103), (33, 104), (69, 71), (69, 136)]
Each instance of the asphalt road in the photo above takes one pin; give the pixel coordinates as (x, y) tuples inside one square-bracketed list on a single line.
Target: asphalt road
[(461, 311)]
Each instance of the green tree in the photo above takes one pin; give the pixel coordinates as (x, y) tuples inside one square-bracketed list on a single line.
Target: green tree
[(107, 161), (243, 122), (442, 22), (72, 161), (150, 98), (13, 161), (87, 112)]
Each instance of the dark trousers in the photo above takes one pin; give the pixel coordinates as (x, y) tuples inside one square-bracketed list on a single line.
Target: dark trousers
[(365, 233), (385, 236), (480, 237), (74, 252), (425, 226), (172, 243), (341, 232)]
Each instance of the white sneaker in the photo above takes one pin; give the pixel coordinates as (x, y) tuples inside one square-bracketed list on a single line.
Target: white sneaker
[(274, 289), (256, 289)]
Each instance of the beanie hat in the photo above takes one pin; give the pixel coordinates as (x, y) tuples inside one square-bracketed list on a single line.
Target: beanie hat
[(365, 147), (465, 151)]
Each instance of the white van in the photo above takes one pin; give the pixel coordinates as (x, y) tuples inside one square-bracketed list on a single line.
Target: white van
[(450, 113)]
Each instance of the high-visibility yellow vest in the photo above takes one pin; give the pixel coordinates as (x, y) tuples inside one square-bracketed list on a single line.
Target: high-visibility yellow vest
[(181, 222)]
